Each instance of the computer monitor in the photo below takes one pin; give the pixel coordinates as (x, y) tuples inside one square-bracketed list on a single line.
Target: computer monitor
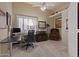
[(16, 30)]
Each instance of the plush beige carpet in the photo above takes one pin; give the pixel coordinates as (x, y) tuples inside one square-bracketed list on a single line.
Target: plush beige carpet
[(42, 49)]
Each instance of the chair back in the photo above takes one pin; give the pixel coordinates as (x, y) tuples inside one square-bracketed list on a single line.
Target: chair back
[(31, 36)]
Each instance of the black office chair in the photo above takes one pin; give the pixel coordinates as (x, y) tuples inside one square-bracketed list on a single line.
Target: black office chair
[(30, 39)]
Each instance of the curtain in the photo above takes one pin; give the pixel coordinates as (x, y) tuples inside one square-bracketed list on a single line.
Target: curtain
[(27, 23)]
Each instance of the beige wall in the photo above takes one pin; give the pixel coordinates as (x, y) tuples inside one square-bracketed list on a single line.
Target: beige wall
[(72, 34), (64, 31), (5, 7), (51, 21)]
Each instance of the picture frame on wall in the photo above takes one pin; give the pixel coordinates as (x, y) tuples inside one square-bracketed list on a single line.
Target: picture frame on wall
[(41, 24), (67, 24)]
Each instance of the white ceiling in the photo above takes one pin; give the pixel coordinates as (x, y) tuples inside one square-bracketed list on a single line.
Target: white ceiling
[(52, 6)]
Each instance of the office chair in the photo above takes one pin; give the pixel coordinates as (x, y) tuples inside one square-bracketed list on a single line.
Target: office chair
[(30, 39), (55, 35)]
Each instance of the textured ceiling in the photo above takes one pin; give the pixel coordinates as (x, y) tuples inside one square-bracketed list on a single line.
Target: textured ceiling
[(52, 6)]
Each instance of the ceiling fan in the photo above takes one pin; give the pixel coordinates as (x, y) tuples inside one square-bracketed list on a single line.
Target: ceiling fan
[(43, 5)]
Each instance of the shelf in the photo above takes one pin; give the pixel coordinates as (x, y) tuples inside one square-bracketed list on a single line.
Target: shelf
[(56, 14)]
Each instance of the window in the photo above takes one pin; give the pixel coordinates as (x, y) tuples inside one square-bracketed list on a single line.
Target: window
[(27, 23)]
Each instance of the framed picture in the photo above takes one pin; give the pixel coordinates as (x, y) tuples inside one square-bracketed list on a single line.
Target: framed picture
[(42, 24), (67, 24)]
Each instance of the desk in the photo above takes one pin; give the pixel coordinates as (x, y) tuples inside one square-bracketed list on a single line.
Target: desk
[(10, 41)]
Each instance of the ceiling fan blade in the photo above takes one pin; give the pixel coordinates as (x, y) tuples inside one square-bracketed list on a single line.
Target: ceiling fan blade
[(36, 5), (49, 5)]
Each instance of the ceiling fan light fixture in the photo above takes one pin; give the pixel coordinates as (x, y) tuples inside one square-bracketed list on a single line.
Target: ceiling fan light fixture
[(43, 8)]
